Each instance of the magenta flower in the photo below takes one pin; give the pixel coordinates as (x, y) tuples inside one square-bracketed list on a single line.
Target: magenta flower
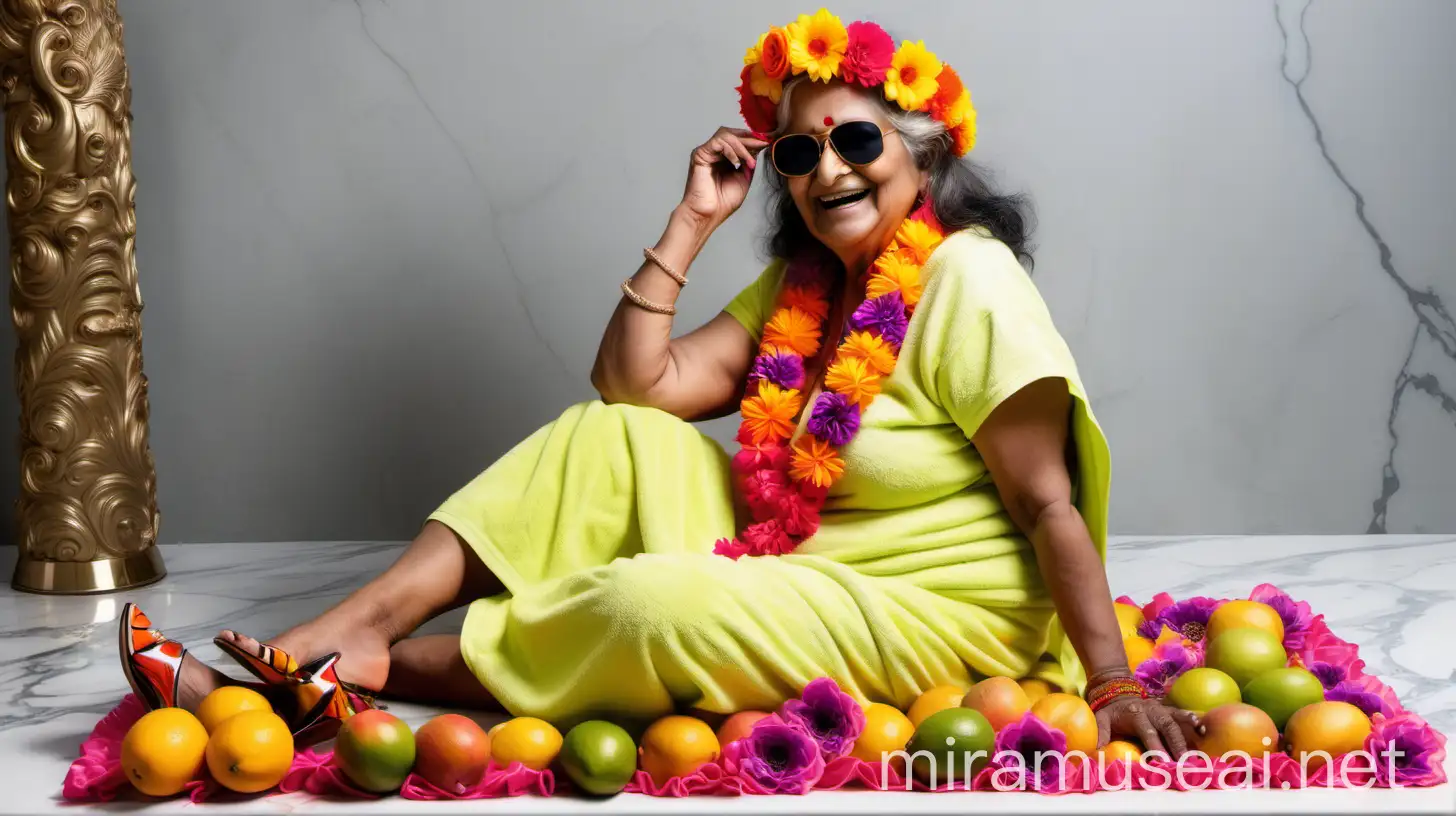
[(762, 491), (1297, 615), (867, 55), (885, 315), (1366, 701), (1321, 646), (730, 548), (777, 757), (1169, 661), (828, 715), (1150, 629), (1329, 674), (1407, 752), (835, 419), (1390, 702), (1030, 754), (783, 370), (1189, 618)]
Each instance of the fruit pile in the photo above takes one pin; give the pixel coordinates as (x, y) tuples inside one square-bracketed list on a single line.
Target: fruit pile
[(1269, 681)]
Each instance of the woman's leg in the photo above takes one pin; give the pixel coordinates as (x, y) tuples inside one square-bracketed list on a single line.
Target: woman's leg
[(430, 669)]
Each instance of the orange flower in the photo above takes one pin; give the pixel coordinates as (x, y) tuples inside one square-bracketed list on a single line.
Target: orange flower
[(817, 461), (918, 239), (964, 134), (773, 49), (808, 299), (853, 377), (769, 415), (872, 349), (943, 106), (793, 330), (894, 273)]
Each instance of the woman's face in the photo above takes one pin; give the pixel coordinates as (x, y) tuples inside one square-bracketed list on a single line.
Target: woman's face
[(858, 228)]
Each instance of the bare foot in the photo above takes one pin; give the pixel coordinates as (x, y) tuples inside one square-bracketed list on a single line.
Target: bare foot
[(363, 650)]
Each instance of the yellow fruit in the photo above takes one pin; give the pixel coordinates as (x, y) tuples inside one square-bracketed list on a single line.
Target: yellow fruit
[(1120, 751), (1332, 727), (1128, 618), (1073, 716), (527, 740), (1138, 649), (676, 746), (886, 729), (1241, 614), (1035, 688), (163, 751), (224, 703), (935, 700), (250, 752)]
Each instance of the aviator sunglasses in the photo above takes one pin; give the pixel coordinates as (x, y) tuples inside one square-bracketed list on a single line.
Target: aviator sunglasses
[(859, 143)]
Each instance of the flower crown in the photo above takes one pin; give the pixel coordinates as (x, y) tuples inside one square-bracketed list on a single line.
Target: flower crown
[(824, 48)]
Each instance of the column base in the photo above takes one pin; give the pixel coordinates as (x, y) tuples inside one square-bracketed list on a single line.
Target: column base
[(88, 577)]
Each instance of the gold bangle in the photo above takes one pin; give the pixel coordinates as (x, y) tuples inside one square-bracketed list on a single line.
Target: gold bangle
[(650, 255), (644, 302)]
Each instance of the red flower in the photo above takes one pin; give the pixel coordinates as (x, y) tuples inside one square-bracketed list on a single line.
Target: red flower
[(730, 547), (798, 514), (868, 55), (767, 538), (763, 491), (774, 54), (759, 112), (753, 458)]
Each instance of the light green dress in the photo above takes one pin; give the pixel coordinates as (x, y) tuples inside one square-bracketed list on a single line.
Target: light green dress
[(601, 526)]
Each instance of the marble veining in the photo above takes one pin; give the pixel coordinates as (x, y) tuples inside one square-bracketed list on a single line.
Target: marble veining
[(1393, 595)]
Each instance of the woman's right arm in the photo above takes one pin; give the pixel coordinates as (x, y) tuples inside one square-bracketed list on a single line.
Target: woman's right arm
[(701, 373)]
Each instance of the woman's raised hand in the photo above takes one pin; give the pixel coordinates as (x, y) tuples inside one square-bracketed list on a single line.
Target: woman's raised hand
[(719, 174)]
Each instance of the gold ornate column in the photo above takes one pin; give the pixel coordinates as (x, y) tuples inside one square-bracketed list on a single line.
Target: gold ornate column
[(87, 511)]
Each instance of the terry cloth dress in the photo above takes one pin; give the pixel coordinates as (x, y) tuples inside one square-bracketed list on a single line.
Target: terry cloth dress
[(601, 526)]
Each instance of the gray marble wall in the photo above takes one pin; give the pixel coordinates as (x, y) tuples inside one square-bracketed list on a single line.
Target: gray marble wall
[(378, 239)]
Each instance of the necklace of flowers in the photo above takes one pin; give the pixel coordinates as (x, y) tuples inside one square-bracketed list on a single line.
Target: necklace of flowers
[(785, 485)]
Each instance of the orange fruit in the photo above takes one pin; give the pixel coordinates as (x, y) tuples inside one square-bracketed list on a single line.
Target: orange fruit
[(223, 703), (886, 729), (1128, 618), (163, 751), (738, 726), (1240, 614), (1138, 649), (999, 699), (1332, 727), (451, 752), (527, 740), (1235, 727), (1035, 688), (937, 699), (250, 752), (676, 746), (1073, 717), (1120, 751)]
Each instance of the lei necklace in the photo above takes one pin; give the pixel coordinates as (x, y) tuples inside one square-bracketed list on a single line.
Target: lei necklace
[(785, 485)]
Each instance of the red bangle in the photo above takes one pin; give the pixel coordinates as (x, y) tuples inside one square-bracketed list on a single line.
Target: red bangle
[(1101, 696)]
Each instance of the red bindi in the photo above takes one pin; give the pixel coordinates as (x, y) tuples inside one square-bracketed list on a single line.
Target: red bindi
[(828, 120)]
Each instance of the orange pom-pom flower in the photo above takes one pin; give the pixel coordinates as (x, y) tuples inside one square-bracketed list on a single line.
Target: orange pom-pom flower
[(793, 330), (816, 462), (895, 273), (853, 377), (768, 416), (871, 348)]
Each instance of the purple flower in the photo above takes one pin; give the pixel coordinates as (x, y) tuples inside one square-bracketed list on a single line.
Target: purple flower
[(828, 715), (1407, 752), (783, 370), (1297, 615), (1189, 618), (884, 314), (1030, 754), (1168, 662), (835, 419), (1150, 629), (1366, 701), (1329, 674), (777, 757)]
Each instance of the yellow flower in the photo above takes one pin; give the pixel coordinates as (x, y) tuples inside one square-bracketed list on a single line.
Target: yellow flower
[(895, 273), (959, 110), (793, 330), (764, 85), (911, 78), (918, 239), (769, 415), (872, 349), (853, 377), (817, 45), (816, 460)]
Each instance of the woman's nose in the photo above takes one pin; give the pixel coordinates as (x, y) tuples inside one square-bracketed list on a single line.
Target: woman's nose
[(831, 167)]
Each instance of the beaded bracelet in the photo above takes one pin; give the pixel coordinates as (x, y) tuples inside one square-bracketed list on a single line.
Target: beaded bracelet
[(644, 302), (661, 264), (1103, 695)]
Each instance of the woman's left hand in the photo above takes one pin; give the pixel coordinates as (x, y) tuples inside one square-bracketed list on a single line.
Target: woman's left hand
[(1160, 727)]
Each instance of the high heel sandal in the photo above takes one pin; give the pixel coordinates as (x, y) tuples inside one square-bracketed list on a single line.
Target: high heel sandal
[(322, 700), (151, 661)]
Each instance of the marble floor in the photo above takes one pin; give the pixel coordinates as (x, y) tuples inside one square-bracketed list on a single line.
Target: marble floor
[(1394, 595)]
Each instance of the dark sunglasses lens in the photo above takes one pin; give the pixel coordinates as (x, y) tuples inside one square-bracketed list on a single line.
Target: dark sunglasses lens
[(858, 142), (796, 154)]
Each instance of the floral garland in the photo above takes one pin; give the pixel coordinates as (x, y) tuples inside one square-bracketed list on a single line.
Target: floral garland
[(861, 53), (785, 485)]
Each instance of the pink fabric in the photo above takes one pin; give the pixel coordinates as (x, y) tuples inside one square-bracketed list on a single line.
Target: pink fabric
[(97, 776)]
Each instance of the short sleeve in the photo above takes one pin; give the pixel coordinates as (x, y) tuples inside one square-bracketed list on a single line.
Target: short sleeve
[(755, 302)]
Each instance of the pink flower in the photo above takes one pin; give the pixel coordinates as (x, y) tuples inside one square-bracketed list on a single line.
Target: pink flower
[(752, 458), (1321, 646), (1155, 607), (1348, 692), (767, 538), (828, 715), (1297, 615), (1030, 754), (1390, 703), (867, 57), (777, 757), (1408, 752), (762, 492), (730, 547), (797, 513)]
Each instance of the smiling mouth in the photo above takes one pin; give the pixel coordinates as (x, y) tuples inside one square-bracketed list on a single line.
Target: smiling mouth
[(836, 200)]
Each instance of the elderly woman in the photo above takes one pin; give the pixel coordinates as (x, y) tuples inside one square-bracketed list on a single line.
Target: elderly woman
[(920, 497)]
